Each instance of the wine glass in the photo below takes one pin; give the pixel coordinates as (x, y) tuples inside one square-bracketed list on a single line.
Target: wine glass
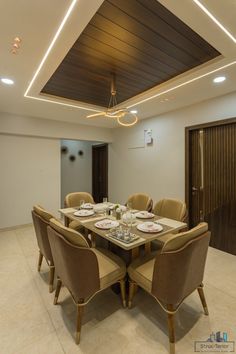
[(105, 202), (129, 206), (81, 203)]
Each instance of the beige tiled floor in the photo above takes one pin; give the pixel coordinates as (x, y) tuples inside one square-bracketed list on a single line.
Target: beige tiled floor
[(30, 323)]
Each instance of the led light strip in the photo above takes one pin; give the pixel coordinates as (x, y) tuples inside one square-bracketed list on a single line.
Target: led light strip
[(70, 9), (213, 18), (181, 85), (61, 103)]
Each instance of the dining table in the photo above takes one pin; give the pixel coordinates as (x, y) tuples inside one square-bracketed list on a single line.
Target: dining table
[(141, 238)]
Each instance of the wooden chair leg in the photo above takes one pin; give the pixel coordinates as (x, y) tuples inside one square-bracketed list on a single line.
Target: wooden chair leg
[(57, 292), (203, 299), (80, 310), (51, 278), (171, 327), (123, 293), (132, 287), (40, 261)]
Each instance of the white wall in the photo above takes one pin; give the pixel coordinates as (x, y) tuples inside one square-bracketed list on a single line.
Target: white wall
[(30, 174), (159, 170), (76, 176), (30, 161), (19, 125)]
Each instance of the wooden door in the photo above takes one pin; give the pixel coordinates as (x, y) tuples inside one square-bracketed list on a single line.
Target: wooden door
[(212, 182), (100, 172)]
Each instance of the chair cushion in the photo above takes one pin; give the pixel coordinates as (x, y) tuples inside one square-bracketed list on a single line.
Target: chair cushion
[(177, 241), (111, 267), (141, 271), (42, 212), (70, 235)]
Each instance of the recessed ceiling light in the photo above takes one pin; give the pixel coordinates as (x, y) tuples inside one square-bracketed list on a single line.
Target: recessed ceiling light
[(7, 81), (219, 79), (134, 111)]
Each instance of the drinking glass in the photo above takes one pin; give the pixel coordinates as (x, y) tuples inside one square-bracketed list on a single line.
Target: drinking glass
[(129, 206), (105, 202), (81, 203)]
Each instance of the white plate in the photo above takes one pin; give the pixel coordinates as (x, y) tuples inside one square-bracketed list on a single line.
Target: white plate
[(106, 224), (87, 206), (144, 215), (84, 212), (150, 227)]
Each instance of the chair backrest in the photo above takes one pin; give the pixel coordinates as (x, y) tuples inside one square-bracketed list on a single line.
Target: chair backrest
[(179, 268), (76, 266), (73, 199), (140, 201), (170, 208), (41, 220)]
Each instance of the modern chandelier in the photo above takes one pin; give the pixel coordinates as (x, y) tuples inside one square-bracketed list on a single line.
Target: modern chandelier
[(123, 115)]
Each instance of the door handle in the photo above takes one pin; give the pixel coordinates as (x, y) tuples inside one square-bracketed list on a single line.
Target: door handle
[(194, 189)]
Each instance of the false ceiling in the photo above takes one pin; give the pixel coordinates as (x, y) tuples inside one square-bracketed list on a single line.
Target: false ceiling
[(140, 41), (48, 36)]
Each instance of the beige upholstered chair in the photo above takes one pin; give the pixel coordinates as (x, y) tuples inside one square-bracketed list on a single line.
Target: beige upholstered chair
[(73, 199), (41, 220), (173, 273), (170, 208), (140, 201), (83, 270)]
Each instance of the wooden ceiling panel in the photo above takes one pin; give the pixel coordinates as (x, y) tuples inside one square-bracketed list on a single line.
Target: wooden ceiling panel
[(140, 41)]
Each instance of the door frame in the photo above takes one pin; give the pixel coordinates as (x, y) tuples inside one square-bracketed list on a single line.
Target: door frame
[(93, 148), (187, 155)]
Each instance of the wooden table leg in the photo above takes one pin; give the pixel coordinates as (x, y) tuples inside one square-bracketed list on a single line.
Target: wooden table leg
[(147, 248), (66, 221), (134, 253), (93, 239)]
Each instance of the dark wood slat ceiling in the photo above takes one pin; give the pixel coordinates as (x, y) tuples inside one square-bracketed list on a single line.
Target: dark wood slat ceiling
[(140, 41)]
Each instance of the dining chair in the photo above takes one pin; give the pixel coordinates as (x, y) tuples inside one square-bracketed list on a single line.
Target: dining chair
[(173, 273), (73, 200), (41, 220), (83, 270), (170, 208), (140, 201)]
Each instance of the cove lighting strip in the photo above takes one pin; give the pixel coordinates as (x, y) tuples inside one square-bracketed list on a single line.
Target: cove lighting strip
[(60, 28), (181, 85), (213, 18)]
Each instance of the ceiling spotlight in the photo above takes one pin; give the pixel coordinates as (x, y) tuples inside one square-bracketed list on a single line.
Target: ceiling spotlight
[(134, 111), (219, 79), (7, 81), (17, 40)]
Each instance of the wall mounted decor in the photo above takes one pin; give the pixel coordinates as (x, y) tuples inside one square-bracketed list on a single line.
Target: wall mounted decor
[(72, 157), (64, 149)]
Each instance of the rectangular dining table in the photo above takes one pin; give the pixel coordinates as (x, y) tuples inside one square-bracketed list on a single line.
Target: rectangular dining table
[(88, 222)]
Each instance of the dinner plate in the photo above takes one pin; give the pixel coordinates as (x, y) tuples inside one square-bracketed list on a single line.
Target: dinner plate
[(150, 227), (84, 212), (144, 215), (106, 224), (87, 206)]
